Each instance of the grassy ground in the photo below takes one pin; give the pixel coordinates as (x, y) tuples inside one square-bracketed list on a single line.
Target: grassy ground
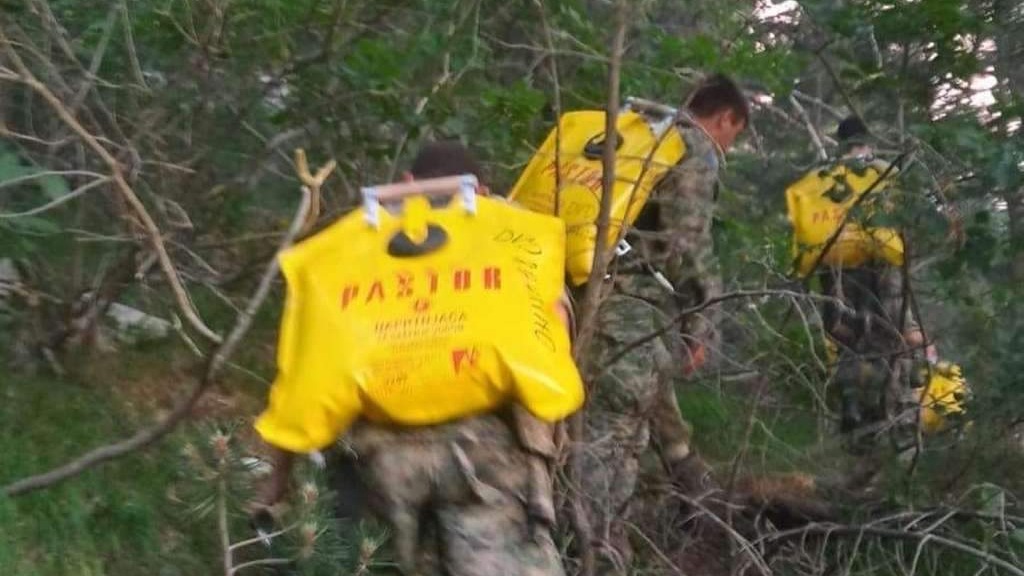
[(728, 423), (116, 520), (124, 518), (127, 518)]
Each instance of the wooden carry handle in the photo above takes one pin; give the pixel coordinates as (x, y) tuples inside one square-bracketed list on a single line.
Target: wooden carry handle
[(445, 186), (465, 185), (650, 106)]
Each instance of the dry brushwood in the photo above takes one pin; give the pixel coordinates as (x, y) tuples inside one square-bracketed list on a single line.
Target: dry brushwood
[(214, 362)]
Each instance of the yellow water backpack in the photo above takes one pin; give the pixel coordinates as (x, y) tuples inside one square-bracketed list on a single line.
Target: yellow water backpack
[(817, 205), (647, 149), (422, 318)]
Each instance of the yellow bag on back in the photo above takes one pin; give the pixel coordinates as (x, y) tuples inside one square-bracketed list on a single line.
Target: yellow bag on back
[(581, 171), (817, 204), (422, 339)]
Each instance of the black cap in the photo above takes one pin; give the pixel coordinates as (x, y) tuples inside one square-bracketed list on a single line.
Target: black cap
[(852, 130)]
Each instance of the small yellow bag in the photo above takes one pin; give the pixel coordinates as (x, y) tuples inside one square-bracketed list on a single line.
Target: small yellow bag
[(582, 133), (421, 339), (817, 204), (945, 393)]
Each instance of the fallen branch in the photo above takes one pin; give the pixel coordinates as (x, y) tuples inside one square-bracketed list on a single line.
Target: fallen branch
[(829, 530), (746, 545)]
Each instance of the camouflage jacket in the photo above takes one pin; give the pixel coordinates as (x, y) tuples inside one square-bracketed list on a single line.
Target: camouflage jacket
[(673, 234)]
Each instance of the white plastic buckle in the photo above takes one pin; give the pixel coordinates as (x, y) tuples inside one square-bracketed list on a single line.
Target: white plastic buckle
[(371, 206), (660, 279), (468, 192), (623, 248)]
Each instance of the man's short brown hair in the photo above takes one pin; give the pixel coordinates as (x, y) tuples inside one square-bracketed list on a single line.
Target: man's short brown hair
[(716, 93), (445, 158)]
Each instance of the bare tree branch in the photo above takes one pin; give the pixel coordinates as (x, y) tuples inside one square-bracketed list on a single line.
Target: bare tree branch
[(592, 293), (117, 175), (214, 363), (811, 129)]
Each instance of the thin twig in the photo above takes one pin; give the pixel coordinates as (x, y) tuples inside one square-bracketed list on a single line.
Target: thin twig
[(706, 304), (262, 562), (97, 60), (222, 524), (657, 551), (129, 43), (58, 201), (838, 83), (264, 537), (746, 545), (556, 87), (47, 173), (821, 105)]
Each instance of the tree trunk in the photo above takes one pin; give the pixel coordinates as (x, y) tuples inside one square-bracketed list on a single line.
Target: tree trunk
[(1009, 38)]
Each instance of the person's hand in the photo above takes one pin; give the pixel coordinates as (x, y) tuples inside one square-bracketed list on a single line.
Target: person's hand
[(694, 357), (274, 487), (692, 475)]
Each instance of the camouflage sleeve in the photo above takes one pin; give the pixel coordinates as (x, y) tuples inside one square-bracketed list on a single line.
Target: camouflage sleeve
[(687, 200)]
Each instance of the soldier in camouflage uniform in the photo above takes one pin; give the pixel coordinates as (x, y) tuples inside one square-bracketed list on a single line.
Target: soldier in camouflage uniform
[(631, 397), (464, 498), (880, 348)]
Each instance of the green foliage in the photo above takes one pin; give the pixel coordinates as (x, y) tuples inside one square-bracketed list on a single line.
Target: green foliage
[(228, 94), (13, 167)]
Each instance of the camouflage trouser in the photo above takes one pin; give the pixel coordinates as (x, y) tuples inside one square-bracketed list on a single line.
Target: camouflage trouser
[(873, 299), (628, 402), (872, 382), (877, 399), (463, 499)]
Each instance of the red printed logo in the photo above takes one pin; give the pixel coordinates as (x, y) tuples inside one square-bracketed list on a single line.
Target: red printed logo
[(419, 286), (464, 357)]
